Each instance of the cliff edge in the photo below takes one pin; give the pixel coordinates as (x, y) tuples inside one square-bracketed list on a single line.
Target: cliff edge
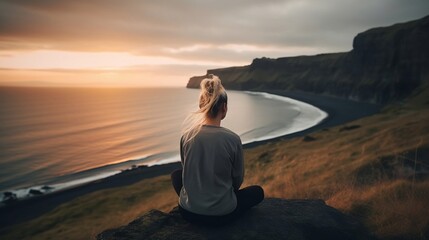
[(272, 219), (386, 64)]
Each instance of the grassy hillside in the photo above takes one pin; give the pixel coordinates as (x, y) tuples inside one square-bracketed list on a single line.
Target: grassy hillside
[(375, 168), (86, 216)]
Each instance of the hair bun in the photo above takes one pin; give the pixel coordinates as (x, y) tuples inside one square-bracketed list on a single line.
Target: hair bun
[(210, 83), (210, 87)]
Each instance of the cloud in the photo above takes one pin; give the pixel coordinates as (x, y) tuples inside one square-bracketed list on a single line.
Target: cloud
[(132, 76), (150, 27)]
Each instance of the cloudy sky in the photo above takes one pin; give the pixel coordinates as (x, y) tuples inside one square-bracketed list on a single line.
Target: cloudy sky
[(164, 42)]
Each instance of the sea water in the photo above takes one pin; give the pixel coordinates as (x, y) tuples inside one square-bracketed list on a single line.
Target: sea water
[(62, 137)]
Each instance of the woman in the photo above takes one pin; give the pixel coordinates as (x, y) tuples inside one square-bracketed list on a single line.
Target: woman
[(212, 160)]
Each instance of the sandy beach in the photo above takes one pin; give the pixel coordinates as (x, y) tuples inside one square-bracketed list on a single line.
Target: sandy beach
[(339, 111)]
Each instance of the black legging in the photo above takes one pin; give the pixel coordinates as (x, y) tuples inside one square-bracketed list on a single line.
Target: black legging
[(246, 198)]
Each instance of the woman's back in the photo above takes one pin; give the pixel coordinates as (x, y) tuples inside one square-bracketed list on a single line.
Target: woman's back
[(212, 160), (212, 170)]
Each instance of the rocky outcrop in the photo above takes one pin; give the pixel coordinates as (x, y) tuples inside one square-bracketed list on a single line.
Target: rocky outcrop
[(272, 219), (386, 64)]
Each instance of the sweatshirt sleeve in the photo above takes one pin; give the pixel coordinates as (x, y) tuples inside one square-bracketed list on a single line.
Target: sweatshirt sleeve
[(238, 167)]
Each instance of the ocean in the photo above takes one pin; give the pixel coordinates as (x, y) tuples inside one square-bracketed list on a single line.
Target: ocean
[(55, 138)]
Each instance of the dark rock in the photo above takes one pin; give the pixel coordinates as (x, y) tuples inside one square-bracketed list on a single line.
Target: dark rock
[(265, 158), (47, 188), (308, 138), (35, 192), (272, 219), (386, 64), (411, 165), (8, 194), (9, 197), (347, 128)]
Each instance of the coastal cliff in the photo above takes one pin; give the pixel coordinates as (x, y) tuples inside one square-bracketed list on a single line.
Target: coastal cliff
[(386, 64)]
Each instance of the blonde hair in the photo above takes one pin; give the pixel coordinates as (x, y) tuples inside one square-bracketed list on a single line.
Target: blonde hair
[(212, 96)]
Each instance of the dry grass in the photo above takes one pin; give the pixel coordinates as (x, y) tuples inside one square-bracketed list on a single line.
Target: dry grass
[(85, 217), (376, 171), (396, 209)]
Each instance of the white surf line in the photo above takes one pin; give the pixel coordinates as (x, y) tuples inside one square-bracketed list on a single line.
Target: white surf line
[(309, 117)]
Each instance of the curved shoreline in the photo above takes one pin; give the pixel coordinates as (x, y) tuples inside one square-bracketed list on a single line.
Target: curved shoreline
[(308, 117), (339, 111), (306, 110)]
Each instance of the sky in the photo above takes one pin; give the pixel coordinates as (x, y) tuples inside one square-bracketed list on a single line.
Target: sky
[(140, 43)]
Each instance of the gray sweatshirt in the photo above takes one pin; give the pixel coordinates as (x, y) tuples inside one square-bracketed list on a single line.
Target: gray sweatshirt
[(212, 169)]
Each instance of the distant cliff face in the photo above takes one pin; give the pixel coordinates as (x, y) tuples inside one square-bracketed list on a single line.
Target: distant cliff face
[(386, 64)]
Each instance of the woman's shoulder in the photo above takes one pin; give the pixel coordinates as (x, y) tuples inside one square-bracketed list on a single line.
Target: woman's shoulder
[(222, 131), (231, 134)]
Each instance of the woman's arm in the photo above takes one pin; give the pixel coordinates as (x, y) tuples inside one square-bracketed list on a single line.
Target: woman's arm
[(238, 168)]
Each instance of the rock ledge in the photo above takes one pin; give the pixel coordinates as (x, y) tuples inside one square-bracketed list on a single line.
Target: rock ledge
[(273, 219)]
